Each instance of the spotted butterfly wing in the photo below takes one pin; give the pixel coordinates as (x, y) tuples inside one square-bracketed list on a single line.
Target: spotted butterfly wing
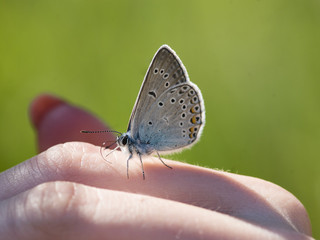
[(169, 113)]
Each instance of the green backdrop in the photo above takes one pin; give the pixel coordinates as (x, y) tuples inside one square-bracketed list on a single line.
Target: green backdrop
[(256, 62)]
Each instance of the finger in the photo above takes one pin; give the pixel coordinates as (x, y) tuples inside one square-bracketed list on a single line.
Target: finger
[(247, 198), (66, 210), (56, 121)]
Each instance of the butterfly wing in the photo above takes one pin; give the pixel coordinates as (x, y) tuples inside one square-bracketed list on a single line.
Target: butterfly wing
[(169, 112), (175, 120), (165, 68)]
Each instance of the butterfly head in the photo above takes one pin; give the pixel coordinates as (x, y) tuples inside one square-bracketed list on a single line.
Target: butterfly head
[(123, 140)]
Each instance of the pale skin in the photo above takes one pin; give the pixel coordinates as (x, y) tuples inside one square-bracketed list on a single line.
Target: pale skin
[(69, 192)]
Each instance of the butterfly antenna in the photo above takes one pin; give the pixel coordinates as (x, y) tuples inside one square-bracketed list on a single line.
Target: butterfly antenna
[(100, 131)]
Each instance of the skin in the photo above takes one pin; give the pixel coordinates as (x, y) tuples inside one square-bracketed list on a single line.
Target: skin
[(69, 192)]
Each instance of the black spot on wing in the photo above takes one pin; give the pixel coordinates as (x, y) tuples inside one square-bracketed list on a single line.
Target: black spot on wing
[(152, 94)]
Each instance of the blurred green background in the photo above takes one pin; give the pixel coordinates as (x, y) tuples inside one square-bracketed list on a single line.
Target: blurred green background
[(256, 62)]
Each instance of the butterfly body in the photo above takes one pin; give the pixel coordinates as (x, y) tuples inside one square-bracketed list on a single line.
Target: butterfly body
[(168, 115), (134, 146)]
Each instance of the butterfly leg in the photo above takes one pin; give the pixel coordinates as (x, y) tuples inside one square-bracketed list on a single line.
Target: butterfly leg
[(142, 166), (128, 165), (163, 161), (105, 157)]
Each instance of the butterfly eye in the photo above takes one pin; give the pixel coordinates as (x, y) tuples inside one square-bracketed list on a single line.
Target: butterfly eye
[(124, 141)]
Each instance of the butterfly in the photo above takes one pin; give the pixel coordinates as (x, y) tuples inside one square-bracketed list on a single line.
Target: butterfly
[(168, 115)]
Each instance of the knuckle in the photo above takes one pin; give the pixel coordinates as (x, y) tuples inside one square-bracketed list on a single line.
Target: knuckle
[(62, 159), (50, 206)]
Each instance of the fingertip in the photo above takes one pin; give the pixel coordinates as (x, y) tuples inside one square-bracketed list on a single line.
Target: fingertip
[(41, 106), (57, 121)]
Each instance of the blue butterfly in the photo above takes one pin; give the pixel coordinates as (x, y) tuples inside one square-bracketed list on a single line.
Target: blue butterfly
[(168, 114)]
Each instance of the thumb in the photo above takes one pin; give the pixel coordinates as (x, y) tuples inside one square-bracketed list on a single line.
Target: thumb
[(55, 121)]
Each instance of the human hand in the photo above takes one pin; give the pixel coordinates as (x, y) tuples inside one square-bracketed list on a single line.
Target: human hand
[(69, 192)]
